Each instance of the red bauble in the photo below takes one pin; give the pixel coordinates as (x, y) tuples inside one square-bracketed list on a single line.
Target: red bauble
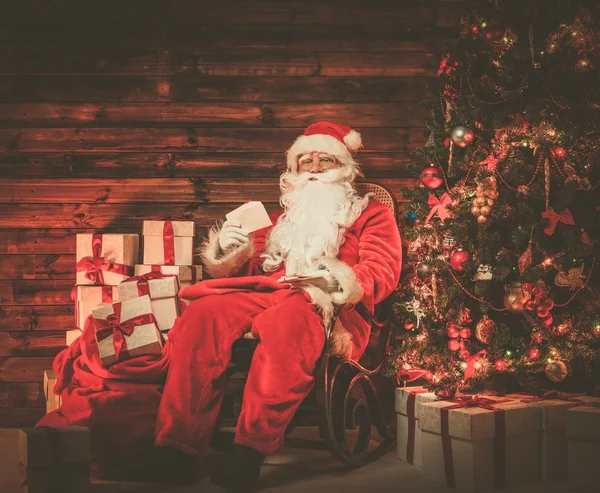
[(542, 311), (500, 365), (530, 305), (534, 353), (465, 333), (465, 354), (431, 177), (453, 345), (453, 330), (495, 34), (548, 303), (409, 325), (547, 321), (458, 258), (474, 29)]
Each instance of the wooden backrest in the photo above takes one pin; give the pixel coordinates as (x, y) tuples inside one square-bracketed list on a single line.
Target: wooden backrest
[(380, 337)]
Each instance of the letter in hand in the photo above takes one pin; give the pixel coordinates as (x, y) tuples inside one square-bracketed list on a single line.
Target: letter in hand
[(233, 235), (321, 279)]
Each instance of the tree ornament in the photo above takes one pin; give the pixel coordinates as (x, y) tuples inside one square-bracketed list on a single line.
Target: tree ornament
[(515, 297), (458, 258), (453, 345), (462, 136), (424, 270), (411, 217), (486, 194), (541, 303), (431, 177), (534, 353), (414, 306), (574, 279), (556, 371), (525, 258), (484, 329), (484, 273)]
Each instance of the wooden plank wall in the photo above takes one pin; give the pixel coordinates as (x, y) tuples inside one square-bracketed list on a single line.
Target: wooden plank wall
[(178, 108)]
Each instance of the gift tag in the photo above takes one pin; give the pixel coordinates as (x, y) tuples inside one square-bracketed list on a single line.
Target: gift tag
[(252, 216)]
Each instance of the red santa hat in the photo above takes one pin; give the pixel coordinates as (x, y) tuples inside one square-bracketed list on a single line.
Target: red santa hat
[(339, 140)]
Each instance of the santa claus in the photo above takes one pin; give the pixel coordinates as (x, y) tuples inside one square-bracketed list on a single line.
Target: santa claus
[(351, 242)]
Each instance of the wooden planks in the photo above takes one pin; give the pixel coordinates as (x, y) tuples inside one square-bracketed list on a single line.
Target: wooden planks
[(257, 13), (49, 60), (20, 417), (53, 266), (19, 369), (192, 87), (37, 317), (24, 395), (26, 344), (140, 190), (190, 138), (38, 292), (220, 114), (177, 164)]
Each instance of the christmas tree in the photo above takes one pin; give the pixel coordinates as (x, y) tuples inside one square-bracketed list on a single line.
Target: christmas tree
[(500, 289)]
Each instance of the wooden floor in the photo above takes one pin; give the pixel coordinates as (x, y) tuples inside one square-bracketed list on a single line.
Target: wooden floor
[(296, 468)]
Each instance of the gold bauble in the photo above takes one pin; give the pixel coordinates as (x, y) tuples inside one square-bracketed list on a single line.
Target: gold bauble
[(482, 219), (475, 210), (479, 201), (490, 202), (515, 296), (485, 210), (556, 371)]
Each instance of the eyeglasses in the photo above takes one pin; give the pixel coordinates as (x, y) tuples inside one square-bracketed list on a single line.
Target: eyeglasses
[(322, 161)]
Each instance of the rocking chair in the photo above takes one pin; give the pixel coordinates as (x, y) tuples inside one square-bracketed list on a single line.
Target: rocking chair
[(348, 395)]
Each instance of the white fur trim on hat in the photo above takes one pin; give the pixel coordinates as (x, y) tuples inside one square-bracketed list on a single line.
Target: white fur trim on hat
[(322, 143)]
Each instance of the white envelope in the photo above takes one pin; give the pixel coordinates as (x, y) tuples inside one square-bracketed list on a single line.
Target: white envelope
[(252, 216)]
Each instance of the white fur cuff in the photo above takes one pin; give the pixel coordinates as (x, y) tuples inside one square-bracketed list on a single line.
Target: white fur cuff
[(351, 290), (218, 264)]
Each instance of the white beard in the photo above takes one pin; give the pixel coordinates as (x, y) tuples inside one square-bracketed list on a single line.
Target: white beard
[(316, 215)]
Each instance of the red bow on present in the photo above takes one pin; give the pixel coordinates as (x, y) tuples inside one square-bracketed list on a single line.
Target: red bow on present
[(111, 325), (553, 219), (439, 206), (475, 401), (93, 267), (142, 281)]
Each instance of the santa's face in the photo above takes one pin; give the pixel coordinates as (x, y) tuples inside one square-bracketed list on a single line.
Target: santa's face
[(319, 203)]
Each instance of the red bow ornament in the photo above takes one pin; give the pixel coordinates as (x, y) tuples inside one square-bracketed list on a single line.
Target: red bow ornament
[(439, 206), (564, 217)]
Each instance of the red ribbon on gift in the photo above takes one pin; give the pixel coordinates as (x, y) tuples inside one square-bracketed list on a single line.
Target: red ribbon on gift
[(439, 206), (95, 265), (169, 243), (499, 439), (412, 423), (111, 325), (554, 218)]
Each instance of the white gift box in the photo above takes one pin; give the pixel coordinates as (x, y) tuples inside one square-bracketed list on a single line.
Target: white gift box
[(163, 295), (145, 338), (476, 456), (408, 401), (89, 297), (122, 250), (155, 241), (583, 447), (187, 274), (553, 438)]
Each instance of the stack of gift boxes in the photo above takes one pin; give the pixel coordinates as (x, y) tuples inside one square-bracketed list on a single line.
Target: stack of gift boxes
[(133, 305), (485, 442)]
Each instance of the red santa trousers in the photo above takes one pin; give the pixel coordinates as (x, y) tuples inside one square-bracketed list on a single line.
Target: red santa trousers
[(292, 338)]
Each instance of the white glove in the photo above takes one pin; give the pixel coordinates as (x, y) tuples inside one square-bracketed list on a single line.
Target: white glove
[(232, 235)]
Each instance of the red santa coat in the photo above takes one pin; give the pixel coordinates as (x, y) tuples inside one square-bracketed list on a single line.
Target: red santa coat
[(367, 269)]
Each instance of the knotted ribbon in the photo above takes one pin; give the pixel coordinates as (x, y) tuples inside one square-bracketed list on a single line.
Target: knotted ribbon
[(95, 265), (439, 206), (169, 243), (554, 218), (112, 325), (556, 395), (142, 284), (499, 438)]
